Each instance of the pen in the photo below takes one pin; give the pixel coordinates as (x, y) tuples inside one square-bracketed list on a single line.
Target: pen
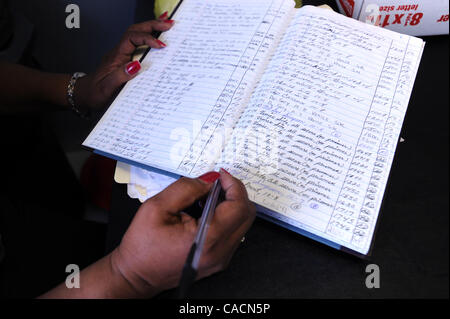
[(191, 266)]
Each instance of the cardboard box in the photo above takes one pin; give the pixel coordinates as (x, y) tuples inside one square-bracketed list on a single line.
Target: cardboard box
[(413, 17)]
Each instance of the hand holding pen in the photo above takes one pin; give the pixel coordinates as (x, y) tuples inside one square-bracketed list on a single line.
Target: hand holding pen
[(190, 269), (153, 251)]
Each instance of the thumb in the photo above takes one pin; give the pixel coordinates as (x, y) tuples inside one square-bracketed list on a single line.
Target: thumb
[(182, 194), (120, 76)]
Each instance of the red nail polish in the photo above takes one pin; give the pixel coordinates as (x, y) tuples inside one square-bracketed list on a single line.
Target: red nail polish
[(133, 67), (210, 177), (161, 43), (169, 21), (225, 171), (163, 16)]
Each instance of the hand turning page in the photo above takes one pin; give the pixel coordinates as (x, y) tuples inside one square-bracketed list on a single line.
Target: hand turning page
[(216, 51)]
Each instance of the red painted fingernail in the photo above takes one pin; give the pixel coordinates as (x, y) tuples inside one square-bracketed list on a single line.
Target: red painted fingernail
[(163, 16), (133, 67), (161, 43), (169, 21), (225, 171), (210, 177)]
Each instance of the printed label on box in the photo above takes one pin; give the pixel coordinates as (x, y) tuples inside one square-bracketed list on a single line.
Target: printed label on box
[(413, 17)]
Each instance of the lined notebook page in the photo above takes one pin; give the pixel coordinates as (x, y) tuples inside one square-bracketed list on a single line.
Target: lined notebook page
[(317, 140), (177, 113)]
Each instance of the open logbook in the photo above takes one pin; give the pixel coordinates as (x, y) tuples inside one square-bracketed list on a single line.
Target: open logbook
[(305, 106)]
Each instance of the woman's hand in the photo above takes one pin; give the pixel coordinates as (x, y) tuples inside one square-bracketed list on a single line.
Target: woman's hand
[(155, 247), (153, 251), (97, 89), (21, 86)]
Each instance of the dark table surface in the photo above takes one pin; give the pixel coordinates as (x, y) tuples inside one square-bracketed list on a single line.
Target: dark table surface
[(411, 244)]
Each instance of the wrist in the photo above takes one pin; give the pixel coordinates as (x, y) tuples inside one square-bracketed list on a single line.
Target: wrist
[(101, 280), (81, 92), (134, 286), (120, 286), (50, 88), (77, 94)]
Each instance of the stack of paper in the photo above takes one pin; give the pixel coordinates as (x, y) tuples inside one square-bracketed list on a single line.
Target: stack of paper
[(141, 184)]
